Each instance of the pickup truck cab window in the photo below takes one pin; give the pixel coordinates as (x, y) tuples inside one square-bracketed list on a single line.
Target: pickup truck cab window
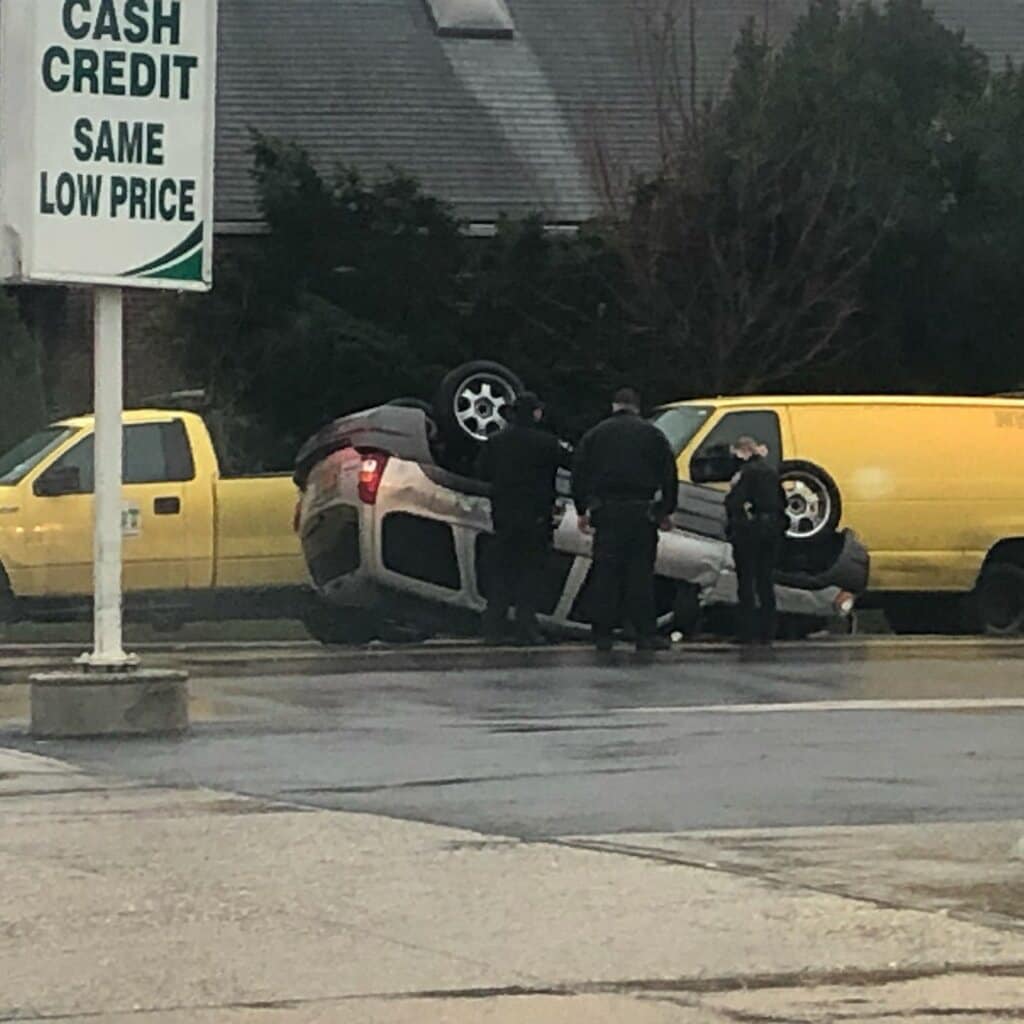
[(153, 453), (17, 463)]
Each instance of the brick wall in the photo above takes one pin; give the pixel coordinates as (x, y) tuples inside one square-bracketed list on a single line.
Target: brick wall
[(62, 319)]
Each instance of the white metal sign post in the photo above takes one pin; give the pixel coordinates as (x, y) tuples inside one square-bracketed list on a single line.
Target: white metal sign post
[(106, 179), (108, 648)]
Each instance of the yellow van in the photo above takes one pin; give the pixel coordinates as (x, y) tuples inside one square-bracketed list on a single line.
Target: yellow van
[(934, 487)]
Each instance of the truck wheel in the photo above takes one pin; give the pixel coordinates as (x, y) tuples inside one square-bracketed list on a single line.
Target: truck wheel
[(474, 401), (814, 506), (337, 626), (1000, 599)]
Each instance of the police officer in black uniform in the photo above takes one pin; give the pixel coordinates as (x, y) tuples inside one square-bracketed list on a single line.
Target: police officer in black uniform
[(625, 486), (756, 507), (520, 463)]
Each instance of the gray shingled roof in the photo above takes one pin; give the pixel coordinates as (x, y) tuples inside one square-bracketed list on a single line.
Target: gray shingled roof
[(494, 126)]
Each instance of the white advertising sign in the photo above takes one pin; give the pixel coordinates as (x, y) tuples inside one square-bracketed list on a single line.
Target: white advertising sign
[(106, 151)]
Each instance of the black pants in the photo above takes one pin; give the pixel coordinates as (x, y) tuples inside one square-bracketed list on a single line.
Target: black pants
[(755, 557), (625, 547), (520, 556)]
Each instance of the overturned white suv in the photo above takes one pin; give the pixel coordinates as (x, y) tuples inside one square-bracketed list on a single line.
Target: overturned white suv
[(393, 538)]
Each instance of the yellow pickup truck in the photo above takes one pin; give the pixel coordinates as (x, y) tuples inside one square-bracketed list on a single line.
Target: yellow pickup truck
[(196, 544)]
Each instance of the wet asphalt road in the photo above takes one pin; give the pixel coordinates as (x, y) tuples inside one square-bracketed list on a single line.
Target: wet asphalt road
[(703, 740)]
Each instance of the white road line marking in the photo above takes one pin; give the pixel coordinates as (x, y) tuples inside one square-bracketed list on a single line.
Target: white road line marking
[(806, 707)]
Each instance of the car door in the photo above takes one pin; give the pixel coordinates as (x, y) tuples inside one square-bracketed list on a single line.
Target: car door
[(157, 465)]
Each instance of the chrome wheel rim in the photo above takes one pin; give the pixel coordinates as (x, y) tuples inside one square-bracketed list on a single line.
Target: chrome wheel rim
[(808, 505), (482, 405)]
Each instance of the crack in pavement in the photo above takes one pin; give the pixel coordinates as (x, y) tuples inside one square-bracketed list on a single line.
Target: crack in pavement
[(654, 988), (456, 780), (950, 1012), (782, 881)]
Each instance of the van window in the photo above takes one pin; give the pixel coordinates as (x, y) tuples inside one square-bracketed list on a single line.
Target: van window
[(680, 425), (760, 424), (154, 453)]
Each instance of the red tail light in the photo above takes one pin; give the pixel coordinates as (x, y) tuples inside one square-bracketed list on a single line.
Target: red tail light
[(370, 474), (297, 516)]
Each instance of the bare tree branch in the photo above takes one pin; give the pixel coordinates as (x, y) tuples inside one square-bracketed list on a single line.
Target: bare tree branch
[(746, 248)]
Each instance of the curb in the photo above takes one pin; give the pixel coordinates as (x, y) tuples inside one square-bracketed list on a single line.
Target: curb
[(18, 662)]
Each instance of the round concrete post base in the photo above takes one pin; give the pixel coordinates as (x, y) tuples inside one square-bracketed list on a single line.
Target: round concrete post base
[(88, 702)]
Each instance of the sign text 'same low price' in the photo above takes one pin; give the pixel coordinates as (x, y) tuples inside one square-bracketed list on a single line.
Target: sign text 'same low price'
[(107, 150)]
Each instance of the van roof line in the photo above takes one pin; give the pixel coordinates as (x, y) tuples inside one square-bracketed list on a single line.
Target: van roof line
[(1007, 400)]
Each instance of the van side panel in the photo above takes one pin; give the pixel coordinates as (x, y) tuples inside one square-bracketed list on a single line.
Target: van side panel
[(929, 488)]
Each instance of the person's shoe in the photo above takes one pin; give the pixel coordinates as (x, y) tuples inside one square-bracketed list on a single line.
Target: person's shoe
[(604, 644), (654, 643)]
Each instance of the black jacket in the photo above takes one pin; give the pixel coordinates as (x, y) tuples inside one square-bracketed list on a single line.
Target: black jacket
[(625, 458), (521, 463), (756, 503)]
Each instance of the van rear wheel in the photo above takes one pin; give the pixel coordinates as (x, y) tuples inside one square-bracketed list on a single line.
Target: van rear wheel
[(1000, 599)]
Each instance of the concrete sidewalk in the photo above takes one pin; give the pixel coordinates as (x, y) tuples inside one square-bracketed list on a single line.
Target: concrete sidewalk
[(122, 902)]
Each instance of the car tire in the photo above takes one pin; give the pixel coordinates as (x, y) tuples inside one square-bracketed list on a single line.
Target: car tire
[(814, 506), (474, 400), (1000, 599), (424, 407), (336, 626)]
